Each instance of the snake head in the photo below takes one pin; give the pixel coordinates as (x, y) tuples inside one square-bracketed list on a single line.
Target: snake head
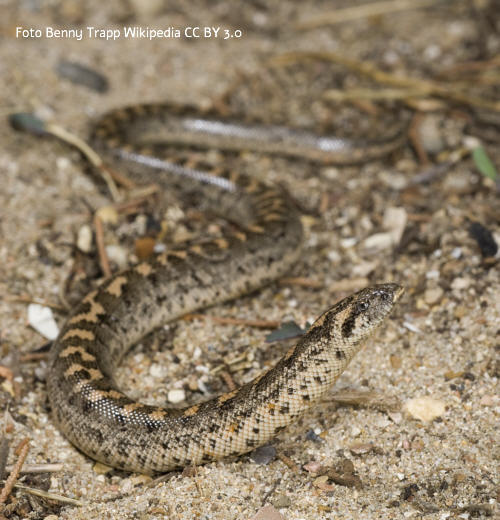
[(354, 318), (367, 310)]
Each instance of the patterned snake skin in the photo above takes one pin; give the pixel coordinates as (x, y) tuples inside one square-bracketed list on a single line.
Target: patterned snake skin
[(99, 418)]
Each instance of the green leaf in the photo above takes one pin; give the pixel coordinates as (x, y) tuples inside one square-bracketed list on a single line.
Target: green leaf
[(25, 122), (287, 330), (483, 163)]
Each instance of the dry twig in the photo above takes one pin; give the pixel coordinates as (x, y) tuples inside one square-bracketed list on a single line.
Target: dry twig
[(89, 153), (33, 356), (22, 452), (416, 141), (49, 496), (368, 399), (302, 282), (101, 249), (228, 379), (415, 86), (259, 324), (363, 11), (39, 468), (30, 299), (288, 462)]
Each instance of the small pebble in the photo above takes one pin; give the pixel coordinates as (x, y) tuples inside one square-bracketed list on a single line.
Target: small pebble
[(395, 220), (311, 435), (395, 417), (264, 454), (158, 370), (203, 387), (334, 256), (360, 448), (411, 327), (146, 8), (101, 469), (282, 501), (330, 173), (268, 513), (396, 361), (425, 409), (322, 483), (313, 466), (432, 296), (378, 241), (363, 269), (144, 247), (84, 239), (355, 431), (176, 395), (417, 445), (484, 238), (452, 374), (117, 254), (159, 248), (487, 400), (107, 214), (430, 134), (347, 243), (460, 283), (382, 422), (126, 485)]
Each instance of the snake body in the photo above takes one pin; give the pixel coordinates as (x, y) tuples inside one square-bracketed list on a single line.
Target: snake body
[(88, 407)]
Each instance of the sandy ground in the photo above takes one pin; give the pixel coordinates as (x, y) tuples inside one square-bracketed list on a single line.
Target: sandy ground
[(442, 343)]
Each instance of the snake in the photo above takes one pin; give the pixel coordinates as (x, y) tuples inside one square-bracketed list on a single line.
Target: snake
[(88, 407)]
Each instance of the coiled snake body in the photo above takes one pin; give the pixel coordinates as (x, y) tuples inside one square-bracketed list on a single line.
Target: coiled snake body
[(110, 427)]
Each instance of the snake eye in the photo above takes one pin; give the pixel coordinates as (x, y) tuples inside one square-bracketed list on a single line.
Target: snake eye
[(362, 306)]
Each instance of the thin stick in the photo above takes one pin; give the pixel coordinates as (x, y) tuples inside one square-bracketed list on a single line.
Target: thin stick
[(367, 399), (39, 468), (355, 94), (363, 11), (101, 249), (89, 153), (139, 198), (33, 356), (259, 324), (416, 141), (23, 450), (4, 454), (228, 379), (302, 282), (425, 87), (49, 496), (288, 462), (30, 299)]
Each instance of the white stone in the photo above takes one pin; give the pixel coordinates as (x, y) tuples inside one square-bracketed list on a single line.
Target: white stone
[(42, 320), (84, 239), (426, 409), (117, 254), (176, 395)]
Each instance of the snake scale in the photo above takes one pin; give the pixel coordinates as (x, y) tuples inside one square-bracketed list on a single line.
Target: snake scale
[(87, 406)]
